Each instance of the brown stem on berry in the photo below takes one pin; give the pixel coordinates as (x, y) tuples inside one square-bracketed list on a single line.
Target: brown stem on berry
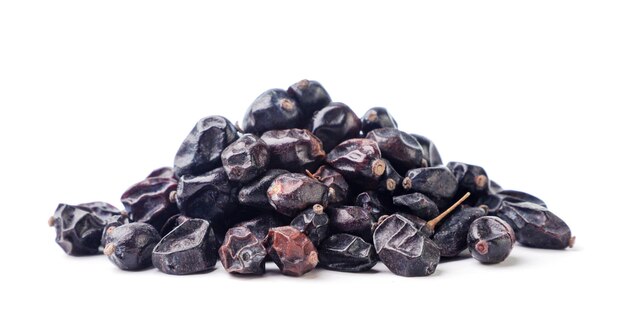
[(480, 181), (318, 209), (172, 197), (303, 84), (572, 241), (407, 183), (390, 185), (312, 176), (432, 223), (378, 167), (109, 249), (51, 221), (287, 104)]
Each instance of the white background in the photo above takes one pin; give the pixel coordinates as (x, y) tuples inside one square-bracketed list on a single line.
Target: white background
[(94, 95)]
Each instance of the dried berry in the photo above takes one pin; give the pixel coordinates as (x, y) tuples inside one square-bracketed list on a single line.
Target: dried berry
[(313, 222), (390, 180), (359, 161), (310, 96), (242, 252), (517, 196), (149, 201), (291, 193), (295, 150), (254, 194), (130, 246), (272, 110), (400, 148), (451, 236), (417, 204), (260, 226), (334, 124), (434, 182), (338, 187), (78, 230), (470, 178), (105, 211), (292, 251), (201, 151), (376, 118), (173, 223), (352, 220), (164, 172), (430, 153), (347, 253), (189, 248), (490, 239), (246, 158)]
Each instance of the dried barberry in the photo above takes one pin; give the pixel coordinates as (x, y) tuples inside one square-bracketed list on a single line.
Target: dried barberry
[(334, 124), (246, 158), (313, 222), (242, 252), (172, 223), (359, 161), (352, 220), (517, 196), (338, 187), (451, 235), (372, 204), (164, 172), (430, 153), (291, 193), (272, 110), (295, 150), (375, 118), (470, 178), (490, 239), (260, 225), (254, 194), (346, 253), (435, 182), (390, 180), (149, 201), (400, 148), (78, 230), (417, 204), (291, 250), (310, 96), (130, 246), (105, 211)]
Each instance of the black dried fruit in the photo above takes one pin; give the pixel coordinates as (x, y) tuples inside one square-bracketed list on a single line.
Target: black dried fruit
[(189, 248), (400, 148), (130, 246), (246, 158), (470, 178), (491, 202), (352, 220), (254, 194), (390, 180), (434, 182), (338, 187), (105, 211), (404, 249), (295, 150), (359, 161), (490, 239), (272, 110), (517, 196), (372, 204), (242, 252), (430, 153), (260, 225), (291, 193), (291, 250), (536, 226), (164, 172), (346, 253), (201, 150), (78, 230), (334, 124), (310, 96), (375, 118), (172, 223), (417, 204), (451, 235), (313, 222), (149, 201)]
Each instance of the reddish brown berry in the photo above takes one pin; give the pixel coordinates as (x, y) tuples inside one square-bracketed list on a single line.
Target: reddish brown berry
[(292, 251)]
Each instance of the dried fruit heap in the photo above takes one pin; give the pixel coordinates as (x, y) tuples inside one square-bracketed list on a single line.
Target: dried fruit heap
[(306, 182)]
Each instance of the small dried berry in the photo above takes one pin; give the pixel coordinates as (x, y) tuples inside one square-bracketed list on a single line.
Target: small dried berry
[(149, 201), (359, 161), (417, 204), (313, 222), (291, 193), (295, 150), (376, 118), (260, 226), (451, 236), (310, 96), (434, 182), (246, 158), (272, 110), (400, 148), (338, 187), (242, 252), (334, 124), (372, 204), (173, 223), (78, 230), (430, 153), (490, 239), (352, 220), (347, 253), (291, 250), (470, 178), (254, 194), (390, 180), (130, 246)]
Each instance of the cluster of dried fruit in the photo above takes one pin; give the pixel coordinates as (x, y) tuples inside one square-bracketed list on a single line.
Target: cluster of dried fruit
[(305, 182)]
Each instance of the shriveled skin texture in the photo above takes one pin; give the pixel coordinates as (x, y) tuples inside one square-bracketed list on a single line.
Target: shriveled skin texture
[(470, 178), (451, 235), (337, 184), (131, 245), (391, 180), (417, 204), (246, 159), (404, 249), (189, 248), (355, 160), (104, 211), (163, 172), (347, 253), (201, 151), (375, 118), (400, 148), (78, 230), (260, 225), (254, 194), (242, 252), (535, 226), (149, 201), (172, 223), (419, 223), (352, 220), (493, 200), (272, 110), (517, 196), (295, 150), (291, 250), (113, 222), (490, 239), (291, 193), (434, 182), (210, 196), (310, 96), (429, 151), (313, 223), (334, 124), (372, 204)]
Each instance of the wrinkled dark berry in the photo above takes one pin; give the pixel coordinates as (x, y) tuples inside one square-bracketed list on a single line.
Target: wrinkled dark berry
[(491, 202), (78, 230), (310, 96), (114, 222), (254, 194), (292, 251), (260, 226), (291, 193), (338, 188), (451, 235), (417, 204), (201, 151), (172, 223), (430, 153), (130, 246), (434, 182), (517, 196), (375, 118), (189, 248), (359, 161), (390, 180), (272, 110), (242, 252), (164, 172), (334, 124), (490, 239), (372, 204), (352, 220), (149, 201), (295, 150), (105, 211), (536, 226), (313, 222), (404, 249), (470, 178), (400, 148), (246, 158), (347, 253)]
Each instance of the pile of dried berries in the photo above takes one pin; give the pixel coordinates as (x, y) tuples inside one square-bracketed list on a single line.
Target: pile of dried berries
[(306, 182)]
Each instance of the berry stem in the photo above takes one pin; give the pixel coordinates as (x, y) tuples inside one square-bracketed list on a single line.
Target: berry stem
[(432, 223)]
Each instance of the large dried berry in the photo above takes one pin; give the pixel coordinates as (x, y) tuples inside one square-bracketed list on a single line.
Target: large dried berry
[(375, 118), (352, 220), (470, 178), (246, 158), (359, 161), (291, 250), (338, 187), (189, 248), (291, 193), (310, 96), (201, 150), (254, 194), (451, 236), (78, 230), (149, 201), (260, 225), (173, 223), (430, 153), (313, 222), (434, 182), (242, 252), (334, 124), (130, 246), (490, 239), (295, 150), (400, 148), (272, 110), (347, 253), (417, 204)]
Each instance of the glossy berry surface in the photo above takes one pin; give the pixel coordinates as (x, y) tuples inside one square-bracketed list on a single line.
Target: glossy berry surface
[(338, 187), (294, 150), (78, 230), (334, 124), (400, 148), (310, 96), (451, 235), (347, 253), (291, 250), (246, 158), (130, 246), (470, 178), (242, 252), (359, 161), (149, 201), (371, 203), (254, 193), (261, 225), (314, 223), (352, 220), (377, 117), (490, 239), (417, 204), (291, 193), (434, 182), (272, 110), (430, 153)]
